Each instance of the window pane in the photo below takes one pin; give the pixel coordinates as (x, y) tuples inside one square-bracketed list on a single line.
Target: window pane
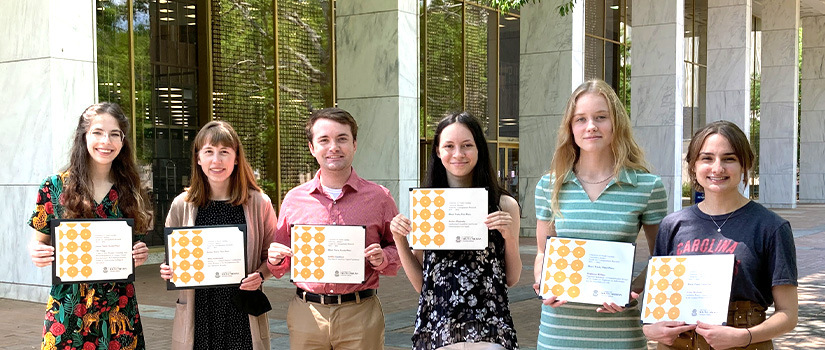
[(508, 77)]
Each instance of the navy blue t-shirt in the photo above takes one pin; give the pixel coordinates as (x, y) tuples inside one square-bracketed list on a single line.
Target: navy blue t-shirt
[(761, 241)]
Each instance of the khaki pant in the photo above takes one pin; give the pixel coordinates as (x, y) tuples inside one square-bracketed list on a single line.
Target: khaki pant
[(353, 325), (472, 346)]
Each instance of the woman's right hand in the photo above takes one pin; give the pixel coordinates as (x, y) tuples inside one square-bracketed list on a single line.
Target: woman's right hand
[(666, 332), (550, 301), (165, 271), (401, 226), (42, 254)]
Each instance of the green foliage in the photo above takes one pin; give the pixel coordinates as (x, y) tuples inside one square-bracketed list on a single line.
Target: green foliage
[(566, 7), (507, 5), (512, 5), (687, 190)]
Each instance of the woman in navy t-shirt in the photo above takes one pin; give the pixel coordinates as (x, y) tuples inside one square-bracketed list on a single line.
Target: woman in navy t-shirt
[(726, 222)]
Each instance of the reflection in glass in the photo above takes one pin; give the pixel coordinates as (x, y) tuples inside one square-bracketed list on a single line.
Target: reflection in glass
[(305, 77)]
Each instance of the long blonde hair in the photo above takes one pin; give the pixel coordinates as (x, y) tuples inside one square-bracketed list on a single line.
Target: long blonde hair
[(625, 150)]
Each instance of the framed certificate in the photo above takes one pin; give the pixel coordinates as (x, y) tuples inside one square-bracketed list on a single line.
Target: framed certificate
[(587, 271), (448, 218), (206, 256), (688, 288), (92, 250), (328, 253)]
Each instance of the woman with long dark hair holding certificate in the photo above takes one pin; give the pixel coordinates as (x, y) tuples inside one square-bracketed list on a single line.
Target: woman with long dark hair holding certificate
[(101, 181), (463, 302), (223, 191), (719, 159)]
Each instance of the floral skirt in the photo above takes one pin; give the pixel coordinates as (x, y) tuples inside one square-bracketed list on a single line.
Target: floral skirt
[(92, 316)]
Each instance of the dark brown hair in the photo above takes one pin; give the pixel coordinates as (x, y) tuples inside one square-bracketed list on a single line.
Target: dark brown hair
[(737, 139), (242, 179), (484, 175), (334, 114), (77, 198)]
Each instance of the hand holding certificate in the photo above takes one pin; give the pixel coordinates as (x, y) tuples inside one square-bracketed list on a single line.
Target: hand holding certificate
[(688, 288), (328, 253), (448, 218), (92, 250), (206, 256), (585, 271)]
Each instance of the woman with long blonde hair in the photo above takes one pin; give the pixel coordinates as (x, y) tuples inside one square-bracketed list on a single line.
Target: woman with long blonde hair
[(598, 188)]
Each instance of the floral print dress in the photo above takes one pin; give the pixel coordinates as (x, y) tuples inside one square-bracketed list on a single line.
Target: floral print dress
[(464, 298), (86, 316)]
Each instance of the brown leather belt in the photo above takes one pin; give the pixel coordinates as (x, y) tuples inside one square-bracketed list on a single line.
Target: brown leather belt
[(741, 314), (333, 299)]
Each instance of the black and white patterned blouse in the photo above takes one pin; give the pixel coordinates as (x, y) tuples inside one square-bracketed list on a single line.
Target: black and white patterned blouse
[(464, 298)]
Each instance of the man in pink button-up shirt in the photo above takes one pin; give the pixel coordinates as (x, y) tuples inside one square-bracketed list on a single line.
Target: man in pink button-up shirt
[(336, 315)]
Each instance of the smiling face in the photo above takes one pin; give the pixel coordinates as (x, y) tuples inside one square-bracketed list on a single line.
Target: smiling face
[(104, 139), (333, 145), (718, 169), (217, 162), (591, 123), (458, 152)]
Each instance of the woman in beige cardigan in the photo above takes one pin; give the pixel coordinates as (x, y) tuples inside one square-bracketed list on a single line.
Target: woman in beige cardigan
[(223, 191)]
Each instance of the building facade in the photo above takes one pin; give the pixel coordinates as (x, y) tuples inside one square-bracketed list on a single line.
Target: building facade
[(398, 66)]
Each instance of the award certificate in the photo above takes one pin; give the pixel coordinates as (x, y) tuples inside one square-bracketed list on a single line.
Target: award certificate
[(328, 253), (206, 256), (92, 250), (586, 271), (448, 218), (688, 288)]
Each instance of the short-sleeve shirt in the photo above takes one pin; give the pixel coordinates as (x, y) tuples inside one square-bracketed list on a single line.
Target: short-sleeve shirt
[(629, 200), (761, 241)]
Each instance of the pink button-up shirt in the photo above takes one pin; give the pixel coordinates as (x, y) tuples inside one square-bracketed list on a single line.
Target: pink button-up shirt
[(362, 203)]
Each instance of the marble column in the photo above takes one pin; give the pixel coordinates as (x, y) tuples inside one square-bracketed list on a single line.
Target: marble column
[(729, 57), (778, 109), (551, 66), (812, 138), (377, 81), (657, 82), (47, 75)]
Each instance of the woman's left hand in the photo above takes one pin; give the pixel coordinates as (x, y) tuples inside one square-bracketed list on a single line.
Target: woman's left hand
[(501, 221), (253, 281), (723, 337), (140, 253), (611, 308)]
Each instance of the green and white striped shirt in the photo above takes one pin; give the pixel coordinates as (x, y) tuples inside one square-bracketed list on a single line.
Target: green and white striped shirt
[(630, 200)]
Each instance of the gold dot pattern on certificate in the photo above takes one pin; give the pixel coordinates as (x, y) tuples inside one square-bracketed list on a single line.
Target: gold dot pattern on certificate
[(664, 288), (562, 269), (186, 253), (428, 227), (307, 252), (73, 240)]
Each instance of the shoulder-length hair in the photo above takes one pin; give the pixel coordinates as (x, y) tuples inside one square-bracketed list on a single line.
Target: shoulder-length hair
[(483, 174), (242, 179), (78, 198), (626, 151), (737, 139)]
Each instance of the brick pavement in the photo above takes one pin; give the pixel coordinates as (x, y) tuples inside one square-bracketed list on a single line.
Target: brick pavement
[(21, 322)]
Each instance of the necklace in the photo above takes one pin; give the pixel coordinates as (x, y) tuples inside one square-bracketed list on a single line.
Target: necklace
[(719, 227), (592, 183)]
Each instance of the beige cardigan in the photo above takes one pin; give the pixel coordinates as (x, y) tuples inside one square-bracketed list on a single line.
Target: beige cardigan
[(260, 226)]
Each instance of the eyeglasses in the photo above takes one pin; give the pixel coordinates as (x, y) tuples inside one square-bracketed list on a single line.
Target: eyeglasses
[(115, 136)]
